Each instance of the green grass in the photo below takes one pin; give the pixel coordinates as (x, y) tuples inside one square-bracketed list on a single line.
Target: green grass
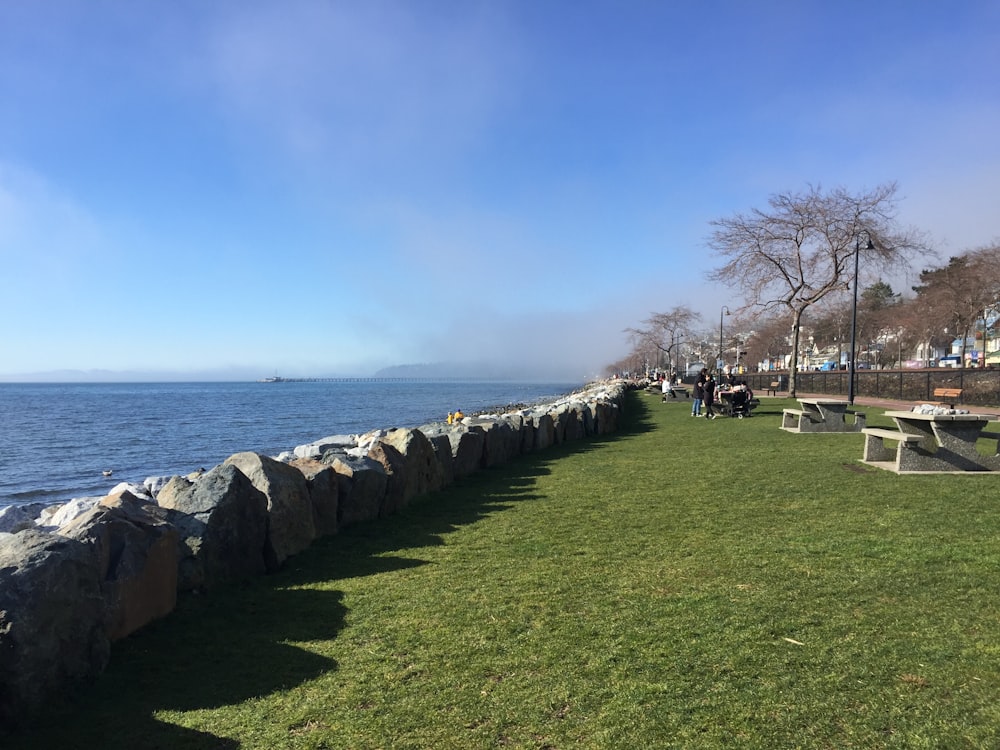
[(683, 583)]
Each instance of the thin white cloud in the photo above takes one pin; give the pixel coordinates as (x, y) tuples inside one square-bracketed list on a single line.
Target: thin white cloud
[(361, 84), (46, 236)]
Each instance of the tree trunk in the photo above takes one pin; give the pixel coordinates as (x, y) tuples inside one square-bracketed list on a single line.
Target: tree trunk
[(793, 366)]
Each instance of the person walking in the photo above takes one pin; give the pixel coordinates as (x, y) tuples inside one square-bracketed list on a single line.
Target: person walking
[(699, 393), (709, 396)]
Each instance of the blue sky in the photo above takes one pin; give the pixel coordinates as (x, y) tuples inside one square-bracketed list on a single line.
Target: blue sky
[(238, 189)]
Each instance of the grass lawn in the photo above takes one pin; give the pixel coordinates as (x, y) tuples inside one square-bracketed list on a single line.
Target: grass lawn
[(684, 583)]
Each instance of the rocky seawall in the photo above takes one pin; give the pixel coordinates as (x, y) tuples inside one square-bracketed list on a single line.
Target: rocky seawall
[(77, 577)]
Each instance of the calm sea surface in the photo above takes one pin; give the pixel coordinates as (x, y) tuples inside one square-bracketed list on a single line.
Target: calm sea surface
[(56, 439)]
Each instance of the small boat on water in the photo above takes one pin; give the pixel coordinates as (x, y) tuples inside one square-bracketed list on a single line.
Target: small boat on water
[(272, 379)]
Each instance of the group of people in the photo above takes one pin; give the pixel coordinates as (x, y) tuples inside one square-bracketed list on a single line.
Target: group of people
[(456, 417), (705, 389), (704, 394)]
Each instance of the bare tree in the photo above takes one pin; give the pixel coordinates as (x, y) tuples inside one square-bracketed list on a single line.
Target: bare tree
[(665, 332), (919, 327), (957, 295), (830, 321), (803, 247), (769, 340)]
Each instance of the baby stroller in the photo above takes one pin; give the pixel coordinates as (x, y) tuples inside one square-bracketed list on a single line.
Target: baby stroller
[(741, 402)]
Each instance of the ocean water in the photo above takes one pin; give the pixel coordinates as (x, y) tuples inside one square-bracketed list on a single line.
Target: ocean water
[(56, 439)]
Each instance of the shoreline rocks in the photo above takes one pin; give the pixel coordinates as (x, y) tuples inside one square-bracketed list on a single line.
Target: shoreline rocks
[(76, 577)]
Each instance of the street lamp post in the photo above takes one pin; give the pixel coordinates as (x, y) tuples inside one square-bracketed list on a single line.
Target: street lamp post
[(723, 311), (854, 315)]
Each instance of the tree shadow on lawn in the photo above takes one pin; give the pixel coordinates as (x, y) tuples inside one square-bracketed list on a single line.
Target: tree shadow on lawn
[(237, 644)]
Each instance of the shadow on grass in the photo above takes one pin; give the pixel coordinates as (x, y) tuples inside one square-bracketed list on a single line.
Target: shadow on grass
[(239, 643), (236, 645), (360, 550)]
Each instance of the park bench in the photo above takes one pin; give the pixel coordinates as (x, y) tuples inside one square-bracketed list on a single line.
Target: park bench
[(948, 396), (875, 450), (773, 388), (793, 418)]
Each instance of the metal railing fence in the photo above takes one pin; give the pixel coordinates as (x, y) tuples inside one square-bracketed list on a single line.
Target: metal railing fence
[(979, 386)]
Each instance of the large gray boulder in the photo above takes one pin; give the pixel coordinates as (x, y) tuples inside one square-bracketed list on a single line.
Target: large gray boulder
[(398, 484), (545, 430), (137, 554), (16, 518), (169, 490), (501, 442), (527, 430), (424, 472), (442, 451), (606, 417), (467, 445), (324, 493), (587, 415), (317, 448), (559, 419), (362, 484), (222, 520), (576, 425), (59, 515), (291, 528), (52, 627)]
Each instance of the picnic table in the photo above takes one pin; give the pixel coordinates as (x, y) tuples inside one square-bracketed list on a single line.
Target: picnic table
[(932, 443), (822, 415)]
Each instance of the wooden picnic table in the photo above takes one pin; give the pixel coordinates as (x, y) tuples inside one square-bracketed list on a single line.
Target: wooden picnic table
[(946, 442), (821, 415)]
